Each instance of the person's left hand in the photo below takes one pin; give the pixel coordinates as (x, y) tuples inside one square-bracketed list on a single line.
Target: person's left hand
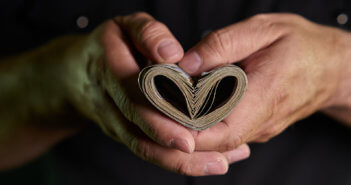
[(294, 68)]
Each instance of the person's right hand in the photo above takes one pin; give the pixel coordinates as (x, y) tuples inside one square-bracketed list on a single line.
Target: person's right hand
[(102, 83)]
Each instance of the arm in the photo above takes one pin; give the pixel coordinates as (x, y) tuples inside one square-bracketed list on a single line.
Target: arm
[(33, 103)]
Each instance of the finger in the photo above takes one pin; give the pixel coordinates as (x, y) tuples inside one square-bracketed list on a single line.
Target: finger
[(166, 130), (232, 44), (117, 53), (122, 67), (195, 164), (240, 153), (237, 127), (152, 38)]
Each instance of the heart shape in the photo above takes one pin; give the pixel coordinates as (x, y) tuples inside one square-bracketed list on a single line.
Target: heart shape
[(198, 102)]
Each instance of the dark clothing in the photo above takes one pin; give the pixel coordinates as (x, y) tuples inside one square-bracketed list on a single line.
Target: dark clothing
[(29, 23), (315, 151)]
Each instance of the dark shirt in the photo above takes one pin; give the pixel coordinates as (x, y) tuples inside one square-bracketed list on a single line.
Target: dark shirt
[(314, 151)]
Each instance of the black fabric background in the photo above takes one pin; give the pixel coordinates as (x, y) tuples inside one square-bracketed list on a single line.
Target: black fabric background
[(314, 151)]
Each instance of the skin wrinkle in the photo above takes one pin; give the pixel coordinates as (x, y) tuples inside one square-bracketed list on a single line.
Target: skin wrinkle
[(285, 98), (122, 100), (220, 44), (183, 167), (235, 140), (153, 133), (275, 99), (306, 105), (146, 34), (149, 31), (229, 143), (284, 120), (135, 118), (211, 48)]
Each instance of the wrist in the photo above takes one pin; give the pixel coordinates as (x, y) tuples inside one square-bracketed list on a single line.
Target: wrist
[(81, 74), (49, 75), (339, 105), (32, 83), (342, 94)]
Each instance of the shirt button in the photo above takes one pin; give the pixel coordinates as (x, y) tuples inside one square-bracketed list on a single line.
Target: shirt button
[(82, 22), (342, 18)]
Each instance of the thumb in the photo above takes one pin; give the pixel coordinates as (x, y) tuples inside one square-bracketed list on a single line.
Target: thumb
[(152, 38), (232, 43)]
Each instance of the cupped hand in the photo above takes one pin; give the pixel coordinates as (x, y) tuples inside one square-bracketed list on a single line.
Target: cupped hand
[(294, 68), (103, 86)]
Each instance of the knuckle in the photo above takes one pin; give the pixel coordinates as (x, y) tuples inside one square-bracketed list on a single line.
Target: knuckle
[(271, 17), (217, 42), (145, 151), (152, 133), (264, 20), (217, 38), (228, 146), (150, 30), (293, 17), (104, 32), (138, 15), (183, 167), (261, 18), (133, 144), (147, 126), (235, 141), (127, 19), (270, 23), (141, 149)]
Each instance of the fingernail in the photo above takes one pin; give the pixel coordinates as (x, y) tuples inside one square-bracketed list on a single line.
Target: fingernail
[(191, 62), (181, 145), (240, 153), (216, 168), (168, 49)]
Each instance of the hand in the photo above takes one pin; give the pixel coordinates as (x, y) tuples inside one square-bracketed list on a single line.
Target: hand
[(103, 86), (294, 68)]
